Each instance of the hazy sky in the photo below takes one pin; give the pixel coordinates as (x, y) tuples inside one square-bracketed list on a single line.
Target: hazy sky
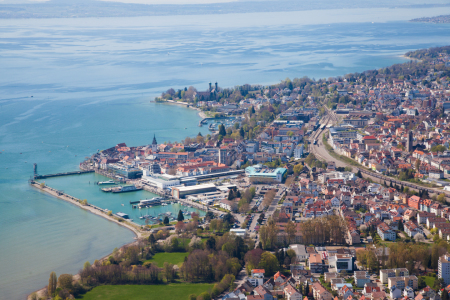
[(172, 1)]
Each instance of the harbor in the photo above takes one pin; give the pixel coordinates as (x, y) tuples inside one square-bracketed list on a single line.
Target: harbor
[(134, 204)]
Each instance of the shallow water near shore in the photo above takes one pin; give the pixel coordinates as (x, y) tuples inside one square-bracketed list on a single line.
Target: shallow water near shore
[(92, 80)]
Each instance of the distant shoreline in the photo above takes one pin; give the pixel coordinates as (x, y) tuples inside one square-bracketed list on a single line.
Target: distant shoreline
[(201, 114), (410, 58)]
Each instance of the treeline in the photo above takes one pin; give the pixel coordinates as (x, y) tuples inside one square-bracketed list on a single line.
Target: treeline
[(324, 230), (413, 256), (245, 199), (428, 53), (121, 274)]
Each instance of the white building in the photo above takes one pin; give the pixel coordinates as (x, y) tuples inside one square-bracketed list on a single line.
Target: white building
[(298, 151), (341, 262), (242, 232), (346, 176), (444, 268), (300, 252), (386, 233), (163, 181)]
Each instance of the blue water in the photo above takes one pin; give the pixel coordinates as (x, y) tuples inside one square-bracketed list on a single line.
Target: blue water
[(83, 187), (91, 82)]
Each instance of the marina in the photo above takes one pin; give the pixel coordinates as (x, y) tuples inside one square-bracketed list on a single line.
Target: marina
[(140, 203)]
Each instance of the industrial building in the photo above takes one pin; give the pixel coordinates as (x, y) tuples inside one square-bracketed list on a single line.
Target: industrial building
[(180, 192), (260, 173)]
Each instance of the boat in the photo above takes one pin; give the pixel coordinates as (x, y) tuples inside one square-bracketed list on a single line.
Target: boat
[(122, 204), (126, 188), (106, 182)]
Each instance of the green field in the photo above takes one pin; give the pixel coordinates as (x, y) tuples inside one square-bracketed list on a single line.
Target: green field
[(429, 280), (179, 291), (176, 258)]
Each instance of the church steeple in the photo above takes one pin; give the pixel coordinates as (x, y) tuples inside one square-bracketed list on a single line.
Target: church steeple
[(154, 144)]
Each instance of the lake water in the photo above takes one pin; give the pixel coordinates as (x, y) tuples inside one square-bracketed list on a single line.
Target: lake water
[(83, 187), (91, 82)]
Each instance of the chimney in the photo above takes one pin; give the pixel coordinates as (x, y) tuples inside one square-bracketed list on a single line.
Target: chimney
[(210, 88), (216, 86)]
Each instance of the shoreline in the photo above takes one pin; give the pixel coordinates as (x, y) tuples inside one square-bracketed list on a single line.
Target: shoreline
[(89, 208), (201, 114), (410, 58)]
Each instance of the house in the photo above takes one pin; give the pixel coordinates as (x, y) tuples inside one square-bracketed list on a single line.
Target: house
[(395, 293), (361, 278), (411, 228), (385, 232), (263, 292), (290, 293), (279, 278), (330, 275), (422, 217), (257, 277), (385, 274), (316, 263), (403, 281), (408, 292), (320, 293)]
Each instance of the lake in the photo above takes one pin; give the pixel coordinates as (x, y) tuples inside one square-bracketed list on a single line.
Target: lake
[(72, 86)]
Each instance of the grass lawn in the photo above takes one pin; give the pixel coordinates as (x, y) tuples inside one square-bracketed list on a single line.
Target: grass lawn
[(176, 258), (429, 280), (179, 291)]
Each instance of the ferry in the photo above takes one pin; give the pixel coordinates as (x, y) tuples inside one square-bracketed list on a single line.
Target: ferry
[(126, 188), (106, 182)]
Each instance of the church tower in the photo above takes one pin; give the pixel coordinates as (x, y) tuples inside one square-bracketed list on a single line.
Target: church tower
[(154, 144)]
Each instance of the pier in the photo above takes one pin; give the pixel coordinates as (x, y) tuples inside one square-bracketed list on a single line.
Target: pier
[(36, 176)]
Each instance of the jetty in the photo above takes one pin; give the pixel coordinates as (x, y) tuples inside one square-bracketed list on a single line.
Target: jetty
[(37, 176)]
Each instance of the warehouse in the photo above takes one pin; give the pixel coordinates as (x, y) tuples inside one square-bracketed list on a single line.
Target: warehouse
[(183, 191)]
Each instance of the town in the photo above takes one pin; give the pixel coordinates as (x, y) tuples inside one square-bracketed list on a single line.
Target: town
[(327, 189)]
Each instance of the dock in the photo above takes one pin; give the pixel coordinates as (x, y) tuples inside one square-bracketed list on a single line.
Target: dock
[(36, 176)]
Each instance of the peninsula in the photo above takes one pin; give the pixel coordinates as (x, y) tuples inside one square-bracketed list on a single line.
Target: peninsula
[(438, 19)]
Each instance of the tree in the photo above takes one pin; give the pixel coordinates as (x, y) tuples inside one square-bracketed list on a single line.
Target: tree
[(209, 215), (291, 230), (211, 243), (169, 272), (358, 174), (269, 263), (180, 217), (421, 283), (222, 131), (441, 198), (151, 239), (65, 281), (86, 265), (166, 220), (180, 226), (52, 284), (204, 296), (298, 169)]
